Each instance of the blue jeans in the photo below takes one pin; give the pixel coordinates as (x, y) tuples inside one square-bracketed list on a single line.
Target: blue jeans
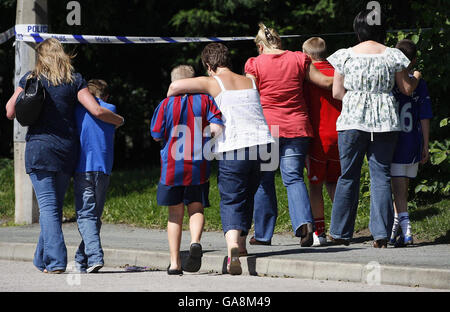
[(237, 181), (353, 146), (292, 153), (50, 188), (90, 195)]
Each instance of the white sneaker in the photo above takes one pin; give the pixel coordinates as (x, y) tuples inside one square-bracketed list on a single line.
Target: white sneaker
[(94, 268), (319, 240)]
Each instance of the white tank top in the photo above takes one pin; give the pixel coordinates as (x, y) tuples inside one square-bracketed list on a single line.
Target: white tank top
[(242, 114)]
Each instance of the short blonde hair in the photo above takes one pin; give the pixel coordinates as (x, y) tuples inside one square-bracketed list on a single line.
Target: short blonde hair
[(268, 37), (98, 88), (182, 72), (316, 48)]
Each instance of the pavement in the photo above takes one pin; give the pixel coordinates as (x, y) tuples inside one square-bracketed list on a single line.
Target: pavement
[(422, 265)]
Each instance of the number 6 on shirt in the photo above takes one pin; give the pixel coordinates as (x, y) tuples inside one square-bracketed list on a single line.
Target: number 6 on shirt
[(406, 118)]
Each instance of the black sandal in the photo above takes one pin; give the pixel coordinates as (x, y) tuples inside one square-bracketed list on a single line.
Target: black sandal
[(380, 243), (194, 261), (338, 241)]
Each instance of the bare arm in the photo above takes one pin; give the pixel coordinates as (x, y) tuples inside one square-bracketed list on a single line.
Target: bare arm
[(216, 130), (190, 85), (315, 76), (405, 83), (11, 104), (425, 123), (88, 101), (338, 86)]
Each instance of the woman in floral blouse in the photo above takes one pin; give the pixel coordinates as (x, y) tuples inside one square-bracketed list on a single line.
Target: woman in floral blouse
[(364, 77)]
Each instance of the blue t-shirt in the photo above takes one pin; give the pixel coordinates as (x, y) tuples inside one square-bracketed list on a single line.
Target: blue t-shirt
[(412, 109), (52, 143), (96, 140)]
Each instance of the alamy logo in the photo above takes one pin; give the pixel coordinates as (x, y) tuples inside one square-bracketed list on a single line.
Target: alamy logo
[(373, 277), (74, 277), (374, 17), (188, 145), (74, 16)]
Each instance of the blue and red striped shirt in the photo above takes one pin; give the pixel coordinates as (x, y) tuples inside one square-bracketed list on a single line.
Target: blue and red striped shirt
[(180, 122)]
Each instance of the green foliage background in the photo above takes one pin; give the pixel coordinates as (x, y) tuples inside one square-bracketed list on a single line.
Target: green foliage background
[(139, 74)]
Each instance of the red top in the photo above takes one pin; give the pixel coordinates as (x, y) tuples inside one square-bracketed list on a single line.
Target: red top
[(280, 83), (324, 110)]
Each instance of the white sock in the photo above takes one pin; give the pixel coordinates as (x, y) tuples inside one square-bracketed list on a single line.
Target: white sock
[(395, 226), (404, 223)]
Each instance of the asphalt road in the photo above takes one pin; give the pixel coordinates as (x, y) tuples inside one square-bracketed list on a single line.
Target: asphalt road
[(20, 276)]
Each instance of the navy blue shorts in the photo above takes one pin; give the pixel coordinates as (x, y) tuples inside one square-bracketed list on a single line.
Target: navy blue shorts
[(170, 195)]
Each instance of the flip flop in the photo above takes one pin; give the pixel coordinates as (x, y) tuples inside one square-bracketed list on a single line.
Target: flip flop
[(233, 263)]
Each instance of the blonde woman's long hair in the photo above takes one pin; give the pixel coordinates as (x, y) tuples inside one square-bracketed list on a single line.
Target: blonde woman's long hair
[(53, 63), (268, 37)]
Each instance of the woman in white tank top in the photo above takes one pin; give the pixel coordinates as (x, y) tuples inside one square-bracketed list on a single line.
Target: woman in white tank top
[(245, 130)]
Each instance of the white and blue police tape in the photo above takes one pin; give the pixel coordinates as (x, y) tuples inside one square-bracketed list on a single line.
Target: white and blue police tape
[(37, 33), (5, 36), (23, 30), (66, 38)]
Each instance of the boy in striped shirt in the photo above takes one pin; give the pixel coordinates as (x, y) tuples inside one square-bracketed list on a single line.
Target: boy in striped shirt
[(184, 125)]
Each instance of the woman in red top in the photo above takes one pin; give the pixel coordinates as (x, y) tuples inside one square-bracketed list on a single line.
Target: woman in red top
[(280, 75)]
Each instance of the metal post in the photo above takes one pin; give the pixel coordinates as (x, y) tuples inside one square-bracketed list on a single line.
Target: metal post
[(29, 12)]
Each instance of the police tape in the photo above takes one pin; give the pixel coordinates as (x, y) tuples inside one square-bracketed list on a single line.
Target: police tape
[(38, 33), (65, 38), (5, 36)]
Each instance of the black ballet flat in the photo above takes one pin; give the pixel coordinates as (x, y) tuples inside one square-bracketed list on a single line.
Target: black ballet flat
[(174, 272)]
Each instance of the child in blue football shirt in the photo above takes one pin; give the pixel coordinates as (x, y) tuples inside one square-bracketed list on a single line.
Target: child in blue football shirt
[(91, 179), (412, 147)]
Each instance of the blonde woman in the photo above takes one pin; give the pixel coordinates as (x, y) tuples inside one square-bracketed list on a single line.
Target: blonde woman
[(280, 75), (52, 144)]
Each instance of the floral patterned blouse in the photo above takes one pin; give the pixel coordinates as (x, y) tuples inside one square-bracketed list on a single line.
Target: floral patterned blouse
[(368, 105)]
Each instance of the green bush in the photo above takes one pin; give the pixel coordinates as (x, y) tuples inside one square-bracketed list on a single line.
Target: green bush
[(6, 190), (432, 43), (434, 179)]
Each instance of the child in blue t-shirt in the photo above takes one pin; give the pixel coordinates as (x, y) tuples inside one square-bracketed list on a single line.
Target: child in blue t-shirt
[(412, 147), (91, 179)]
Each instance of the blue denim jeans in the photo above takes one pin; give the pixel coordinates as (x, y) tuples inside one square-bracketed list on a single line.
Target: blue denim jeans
[(50, 188), (292, 153), (353, 146), (237, 181), (90, 195), (266, 208)]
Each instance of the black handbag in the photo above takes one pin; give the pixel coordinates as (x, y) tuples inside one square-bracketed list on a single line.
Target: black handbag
[(30, 101)]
